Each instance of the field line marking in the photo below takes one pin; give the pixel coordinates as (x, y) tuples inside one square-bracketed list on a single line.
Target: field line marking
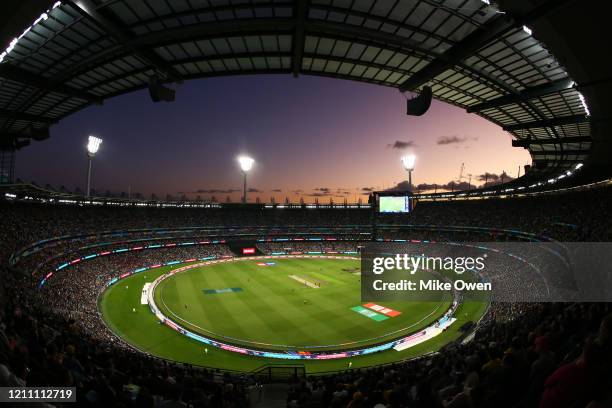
[(304, 281)]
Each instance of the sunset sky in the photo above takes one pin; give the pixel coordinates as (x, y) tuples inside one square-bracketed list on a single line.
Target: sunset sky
[(310, 137)]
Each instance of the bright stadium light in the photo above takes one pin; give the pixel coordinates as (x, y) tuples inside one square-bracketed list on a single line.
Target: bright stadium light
[(93, 145), (246, 164), (408, 162)]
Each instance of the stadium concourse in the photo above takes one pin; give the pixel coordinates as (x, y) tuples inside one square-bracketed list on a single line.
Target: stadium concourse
[(518, 355)]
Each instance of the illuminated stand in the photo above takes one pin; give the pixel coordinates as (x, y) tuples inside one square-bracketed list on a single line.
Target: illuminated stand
[(246, 164), (93, 145)]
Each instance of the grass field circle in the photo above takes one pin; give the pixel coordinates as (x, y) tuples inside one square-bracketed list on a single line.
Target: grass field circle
[(269, 308), (287, 303)]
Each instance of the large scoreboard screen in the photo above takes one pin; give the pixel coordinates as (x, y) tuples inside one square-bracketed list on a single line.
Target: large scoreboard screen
[(394, 204)]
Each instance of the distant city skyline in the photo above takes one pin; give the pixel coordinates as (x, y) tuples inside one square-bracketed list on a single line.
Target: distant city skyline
[(311, 137)]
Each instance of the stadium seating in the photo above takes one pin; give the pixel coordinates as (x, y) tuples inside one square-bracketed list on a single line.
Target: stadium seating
[(520, 355)]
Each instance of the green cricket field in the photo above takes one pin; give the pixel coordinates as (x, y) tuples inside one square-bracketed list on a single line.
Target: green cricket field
[(279, 304)]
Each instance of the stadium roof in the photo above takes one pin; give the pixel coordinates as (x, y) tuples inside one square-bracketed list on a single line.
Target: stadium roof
[(476, 56)]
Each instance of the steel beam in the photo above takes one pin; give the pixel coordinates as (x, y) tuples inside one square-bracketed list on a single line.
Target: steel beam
[(493, 29), (26, 116), (89, 9), (299, 37), (474, 41), (559, 152), (256, 26), (561, 140), (524, 95), (25, 77), (560, 121)]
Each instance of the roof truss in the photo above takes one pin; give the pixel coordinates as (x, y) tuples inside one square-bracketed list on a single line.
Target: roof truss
[(525, 95), (546, 123)]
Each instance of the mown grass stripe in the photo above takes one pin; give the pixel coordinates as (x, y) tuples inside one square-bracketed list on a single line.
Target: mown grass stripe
[(143, 330)]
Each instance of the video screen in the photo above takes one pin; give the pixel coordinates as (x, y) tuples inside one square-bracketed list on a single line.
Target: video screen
[(388, 204)]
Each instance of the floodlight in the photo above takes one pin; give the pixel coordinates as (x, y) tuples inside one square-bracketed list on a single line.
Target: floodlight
[(408, 162), (246, 163), (93, 145)]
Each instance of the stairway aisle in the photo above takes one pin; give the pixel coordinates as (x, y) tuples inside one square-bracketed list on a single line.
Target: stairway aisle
[(272, 396)]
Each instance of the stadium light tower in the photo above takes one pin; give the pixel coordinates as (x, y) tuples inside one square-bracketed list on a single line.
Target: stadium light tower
[(408, 162), (246, 164), (93, 145)]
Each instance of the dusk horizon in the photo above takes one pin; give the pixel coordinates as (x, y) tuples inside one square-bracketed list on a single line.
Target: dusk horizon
[(311, 138)]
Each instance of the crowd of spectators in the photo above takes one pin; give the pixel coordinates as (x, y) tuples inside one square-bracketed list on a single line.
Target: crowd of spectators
[(580, 216), (106, 249), (306, 246), (45, 221), (74, 291), (539, 355), (42, 347), (521, 355)]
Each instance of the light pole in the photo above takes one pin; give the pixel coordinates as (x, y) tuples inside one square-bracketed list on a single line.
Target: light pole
[(408, 162), (246, 164), (93, 145)]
